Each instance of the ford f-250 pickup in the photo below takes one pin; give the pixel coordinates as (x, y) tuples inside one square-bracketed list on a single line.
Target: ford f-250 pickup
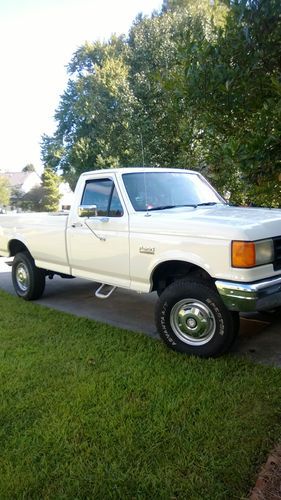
[(163, 230)]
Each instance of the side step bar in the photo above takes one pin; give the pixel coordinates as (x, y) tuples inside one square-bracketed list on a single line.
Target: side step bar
[(104, 291)]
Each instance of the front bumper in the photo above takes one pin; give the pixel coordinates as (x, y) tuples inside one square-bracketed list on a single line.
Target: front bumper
[(245, 297)]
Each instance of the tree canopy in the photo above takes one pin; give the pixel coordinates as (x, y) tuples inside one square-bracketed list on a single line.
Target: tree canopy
[(50, 191), (5, 191), (196, 85), (29, 168)]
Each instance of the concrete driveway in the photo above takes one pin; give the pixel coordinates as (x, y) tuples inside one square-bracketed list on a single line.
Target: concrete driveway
[(259, 338)]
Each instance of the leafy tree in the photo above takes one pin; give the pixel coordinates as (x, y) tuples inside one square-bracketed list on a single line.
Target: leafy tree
[(29, 168), (94, 113), (52, 150), (159, 48), (232, 87), (197, 85), (124, 102), (16, 196), (211, 11), (50, 188), (33, 199), (154, 64), (5, 191)]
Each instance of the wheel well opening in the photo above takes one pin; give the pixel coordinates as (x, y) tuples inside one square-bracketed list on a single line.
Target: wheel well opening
[(168, 272), (16, 246)]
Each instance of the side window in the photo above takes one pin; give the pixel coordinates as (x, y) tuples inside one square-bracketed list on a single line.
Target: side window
[(115, 209), (103, 194)]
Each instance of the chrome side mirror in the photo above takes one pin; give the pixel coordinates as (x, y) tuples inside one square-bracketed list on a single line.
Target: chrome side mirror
[(87, 211)]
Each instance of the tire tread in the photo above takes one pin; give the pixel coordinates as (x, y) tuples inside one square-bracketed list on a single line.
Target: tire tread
[(185, 288), (36, 277)]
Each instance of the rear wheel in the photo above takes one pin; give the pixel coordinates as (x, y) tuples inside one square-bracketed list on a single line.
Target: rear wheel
[(28, 280), (191, 318)]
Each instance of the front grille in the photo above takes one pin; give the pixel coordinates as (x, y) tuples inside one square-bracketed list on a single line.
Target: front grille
[(277, 253)]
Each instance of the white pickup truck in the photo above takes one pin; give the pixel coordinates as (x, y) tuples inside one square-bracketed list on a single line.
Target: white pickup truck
[(163, 230)]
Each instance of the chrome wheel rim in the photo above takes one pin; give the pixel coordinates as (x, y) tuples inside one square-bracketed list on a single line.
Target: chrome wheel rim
[(193, 322), (22, 277)]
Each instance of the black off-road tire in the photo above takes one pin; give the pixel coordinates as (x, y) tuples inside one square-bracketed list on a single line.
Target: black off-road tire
[(191, 318), (28, 280)]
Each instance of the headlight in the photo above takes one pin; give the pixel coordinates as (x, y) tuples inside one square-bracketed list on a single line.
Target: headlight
[(251, 253), (264, 252)]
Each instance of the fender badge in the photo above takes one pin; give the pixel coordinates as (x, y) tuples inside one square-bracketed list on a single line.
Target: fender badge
[(148, 250)]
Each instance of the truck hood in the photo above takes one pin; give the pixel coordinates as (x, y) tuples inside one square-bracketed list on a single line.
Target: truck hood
[(219, 221)]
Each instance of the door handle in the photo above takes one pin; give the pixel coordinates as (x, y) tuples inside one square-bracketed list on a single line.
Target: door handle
[(77, 224)]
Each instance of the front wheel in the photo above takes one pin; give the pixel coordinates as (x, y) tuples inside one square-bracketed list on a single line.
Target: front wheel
[(191, 318), (28, 280)]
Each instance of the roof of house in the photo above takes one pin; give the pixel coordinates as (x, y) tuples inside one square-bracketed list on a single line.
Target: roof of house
[(17, 178)]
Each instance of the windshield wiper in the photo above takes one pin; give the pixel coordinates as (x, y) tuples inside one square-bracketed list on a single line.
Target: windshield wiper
[(206, 204), (164, 207)]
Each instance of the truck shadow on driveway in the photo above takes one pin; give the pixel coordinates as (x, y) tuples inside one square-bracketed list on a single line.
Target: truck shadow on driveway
[(259, 337)]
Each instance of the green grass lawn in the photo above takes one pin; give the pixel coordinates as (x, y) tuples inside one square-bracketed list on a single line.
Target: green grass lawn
[(92, 411)]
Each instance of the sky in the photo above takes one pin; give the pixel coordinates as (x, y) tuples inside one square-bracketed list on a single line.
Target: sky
[(37, 40)]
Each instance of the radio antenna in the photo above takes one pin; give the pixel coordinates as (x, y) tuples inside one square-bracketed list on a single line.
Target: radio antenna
[(145, 185), (142, 150)]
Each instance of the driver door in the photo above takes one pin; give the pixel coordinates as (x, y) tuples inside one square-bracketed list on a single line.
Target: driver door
[(99, 245)]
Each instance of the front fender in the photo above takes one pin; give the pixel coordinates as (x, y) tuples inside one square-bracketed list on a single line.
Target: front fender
[(183, 257)]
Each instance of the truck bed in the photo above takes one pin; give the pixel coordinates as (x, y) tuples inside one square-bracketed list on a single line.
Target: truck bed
[(43, 234)]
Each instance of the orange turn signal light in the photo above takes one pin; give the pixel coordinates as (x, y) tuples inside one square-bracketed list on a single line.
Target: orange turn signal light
[(243, 254)]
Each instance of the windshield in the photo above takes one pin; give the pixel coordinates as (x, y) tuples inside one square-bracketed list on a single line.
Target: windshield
[(166, 190)]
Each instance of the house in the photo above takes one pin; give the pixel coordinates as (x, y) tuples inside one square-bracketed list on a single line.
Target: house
[(22, 183), (67, 196)]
